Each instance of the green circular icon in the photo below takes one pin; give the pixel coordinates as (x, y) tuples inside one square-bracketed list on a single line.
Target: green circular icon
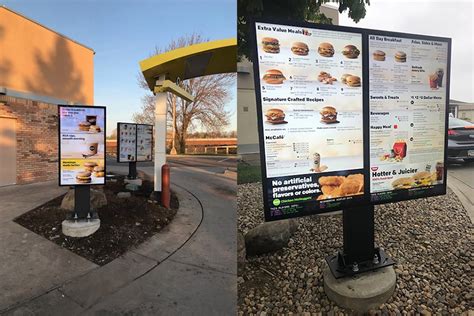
[(276, 202)]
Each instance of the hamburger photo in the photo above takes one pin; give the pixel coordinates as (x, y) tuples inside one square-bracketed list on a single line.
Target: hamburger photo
[(379, 55), (299, 48), (353, 81), (84, 126), (328, 115), (422, 178), (400, 57), (83, 177), (89, 166), (350, 51), (270, 45), (273, 76), (99, 171), (275, 116), (403, 183), (326, 50)]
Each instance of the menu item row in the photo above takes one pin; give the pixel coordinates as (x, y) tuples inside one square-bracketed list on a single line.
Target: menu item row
[(272, 45)]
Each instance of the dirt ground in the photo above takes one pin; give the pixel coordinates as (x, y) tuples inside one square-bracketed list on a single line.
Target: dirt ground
[(125, 223)]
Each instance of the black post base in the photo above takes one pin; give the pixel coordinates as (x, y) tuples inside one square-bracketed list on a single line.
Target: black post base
[(132, 170), (340, 268), (82, 206), (359, 253)]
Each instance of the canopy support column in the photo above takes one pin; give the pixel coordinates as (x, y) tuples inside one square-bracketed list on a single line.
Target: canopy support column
[(160, 140)]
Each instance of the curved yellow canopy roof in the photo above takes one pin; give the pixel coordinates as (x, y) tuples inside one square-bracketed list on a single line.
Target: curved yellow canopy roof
[(197, 60)]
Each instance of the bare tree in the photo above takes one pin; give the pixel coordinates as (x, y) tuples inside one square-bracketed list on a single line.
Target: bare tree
[(207, 112)]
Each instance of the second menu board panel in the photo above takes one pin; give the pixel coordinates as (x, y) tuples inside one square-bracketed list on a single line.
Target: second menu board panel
[(407, 103)]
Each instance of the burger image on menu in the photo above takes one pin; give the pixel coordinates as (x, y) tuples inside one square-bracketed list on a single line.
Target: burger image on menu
[(403, 183), (350, 51), (400, 57), (275, 116), (379, 55), (299, 48), (273, 76), (328, 115), (83, 177), (423, 178), (326, 49), (353, 81), (270, 45)]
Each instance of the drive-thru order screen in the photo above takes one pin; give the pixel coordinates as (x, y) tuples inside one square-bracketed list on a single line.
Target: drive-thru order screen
[(348, 116), (407, 103), (310, 105)]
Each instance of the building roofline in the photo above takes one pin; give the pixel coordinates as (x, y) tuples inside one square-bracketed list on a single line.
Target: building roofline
[(44, 26)]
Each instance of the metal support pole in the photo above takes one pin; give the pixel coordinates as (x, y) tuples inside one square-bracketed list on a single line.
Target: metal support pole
[(358, 233), (82, 205), (132, 170)]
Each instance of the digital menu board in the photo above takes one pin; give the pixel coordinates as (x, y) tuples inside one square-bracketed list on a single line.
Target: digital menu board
[(81, 145), (348, 116), (144, 142), (408, 106), (134, 142), (126, 142), (310, 101)]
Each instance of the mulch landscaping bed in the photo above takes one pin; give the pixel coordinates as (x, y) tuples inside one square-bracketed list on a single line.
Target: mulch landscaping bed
[(125, 223)]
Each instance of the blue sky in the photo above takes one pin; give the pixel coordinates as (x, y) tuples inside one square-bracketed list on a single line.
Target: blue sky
[(123, 32)]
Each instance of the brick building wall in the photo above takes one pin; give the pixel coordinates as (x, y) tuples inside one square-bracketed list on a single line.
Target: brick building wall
[(37, 138)]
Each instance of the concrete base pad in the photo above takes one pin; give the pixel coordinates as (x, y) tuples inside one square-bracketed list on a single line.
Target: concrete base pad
[(80, 228), (134, 181), (362, 292)]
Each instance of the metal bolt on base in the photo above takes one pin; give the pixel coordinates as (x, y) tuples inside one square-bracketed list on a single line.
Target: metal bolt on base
[(355, 267)]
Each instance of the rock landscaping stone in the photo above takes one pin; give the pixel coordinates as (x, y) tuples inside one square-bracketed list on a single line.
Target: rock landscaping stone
[(268, 237), (430, 239), (124, 195), (132, 187), (241, 254), (98, 200)]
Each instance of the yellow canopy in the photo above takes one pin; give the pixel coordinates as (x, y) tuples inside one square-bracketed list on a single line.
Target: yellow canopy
[(192, 61)]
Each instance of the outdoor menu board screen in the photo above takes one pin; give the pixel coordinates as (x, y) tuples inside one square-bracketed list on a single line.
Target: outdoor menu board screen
[(407, 103), (126, 142), (348, 116), (134, 142), (81, 145), (144, 142), (310, 118)]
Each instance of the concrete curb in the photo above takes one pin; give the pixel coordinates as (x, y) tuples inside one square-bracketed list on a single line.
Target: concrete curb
[(456, 186)]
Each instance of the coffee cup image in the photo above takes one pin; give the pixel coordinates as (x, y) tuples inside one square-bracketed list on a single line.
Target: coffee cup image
[(92, 119), (90, 150)]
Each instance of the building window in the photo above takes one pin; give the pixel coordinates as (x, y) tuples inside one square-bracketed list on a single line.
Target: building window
[(246, 108)]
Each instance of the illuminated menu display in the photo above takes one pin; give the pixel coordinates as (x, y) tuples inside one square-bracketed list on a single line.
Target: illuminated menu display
[(81, 145), (310, 84), (407, 103), (348, 116)]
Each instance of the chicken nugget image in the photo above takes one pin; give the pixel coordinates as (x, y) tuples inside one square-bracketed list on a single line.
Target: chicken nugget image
[(350, 187), (328, 189), (358, 177)]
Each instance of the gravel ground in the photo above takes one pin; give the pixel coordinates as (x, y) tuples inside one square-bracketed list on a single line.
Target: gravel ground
[(431, 239)]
